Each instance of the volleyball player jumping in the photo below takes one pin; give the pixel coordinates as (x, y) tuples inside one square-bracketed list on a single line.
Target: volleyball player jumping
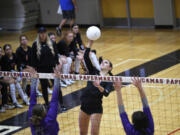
[(91, 98)]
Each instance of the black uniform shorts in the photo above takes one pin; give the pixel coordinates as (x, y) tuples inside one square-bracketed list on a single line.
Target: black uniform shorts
[(68, 14), (91, 109)]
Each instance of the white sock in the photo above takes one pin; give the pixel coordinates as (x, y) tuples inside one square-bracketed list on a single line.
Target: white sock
[(69, 62), (19, 79), (13, 92), (21, 93), (66, 67), (77, 65)]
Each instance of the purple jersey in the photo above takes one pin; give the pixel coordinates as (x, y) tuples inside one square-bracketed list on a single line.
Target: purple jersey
[(49, 125), (130, 130)]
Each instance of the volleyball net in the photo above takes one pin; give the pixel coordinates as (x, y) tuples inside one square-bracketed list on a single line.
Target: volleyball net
[(163, 96)]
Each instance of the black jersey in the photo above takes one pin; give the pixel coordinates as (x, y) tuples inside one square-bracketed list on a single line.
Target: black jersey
[(46, 61), (91, 94), (23, 57), (73, 45), (63, 48), (73, 48), (8, 64), (78, 41)]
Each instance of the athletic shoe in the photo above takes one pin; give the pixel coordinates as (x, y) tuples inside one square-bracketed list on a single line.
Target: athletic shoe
[(49, 91), (26, 102), (17, 105), (71, 81), (2, 110), (39, 94), (63, 81), (58, 31), (63, 84), (67, 82), (9, 107)]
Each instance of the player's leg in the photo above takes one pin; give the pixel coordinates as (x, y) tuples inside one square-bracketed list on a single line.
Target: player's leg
[(95, 123), (72, 18), (83, 122), (62, 23)]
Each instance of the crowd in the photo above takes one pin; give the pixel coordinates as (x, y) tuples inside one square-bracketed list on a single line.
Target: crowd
[(43, 56)]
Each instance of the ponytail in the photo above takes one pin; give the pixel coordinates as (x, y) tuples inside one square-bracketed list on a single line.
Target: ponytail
[(35, 120), (38, 113), (100, 59), (110, 73)]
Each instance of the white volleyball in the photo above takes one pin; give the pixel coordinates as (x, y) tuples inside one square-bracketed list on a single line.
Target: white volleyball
[(93, 33)]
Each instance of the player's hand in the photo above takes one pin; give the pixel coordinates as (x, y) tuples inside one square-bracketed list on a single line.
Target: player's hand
[(32, 71), (63, 60), (90, 42), (9, 80), (137, 82), (97, 83), (118, 85), (80, 55), (34, 74), (28, 69), (59, 67)]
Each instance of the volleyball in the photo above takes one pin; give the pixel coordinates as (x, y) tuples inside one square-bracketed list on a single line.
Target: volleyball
[(93, 33)]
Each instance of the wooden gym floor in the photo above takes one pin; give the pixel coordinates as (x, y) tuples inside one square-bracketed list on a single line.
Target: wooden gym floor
[(154, 53)]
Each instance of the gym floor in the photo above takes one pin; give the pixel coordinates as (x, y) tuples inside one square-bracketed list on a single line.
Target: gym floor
[(153, 53)]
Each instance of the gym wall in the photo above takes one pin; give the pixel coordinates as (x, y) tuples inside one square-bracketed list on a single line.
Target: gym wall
[(18, 15), (115, 12), (177, 12), (117, 8), (143, 13), (22, 15), (89, 12)]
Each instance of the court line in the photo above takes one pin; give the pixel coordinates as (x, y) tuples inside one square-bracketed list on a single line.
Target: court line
[(174, 131), (158, 99), (8, 129), (171, 93), (129, 60), (161, 94), (148, 65)]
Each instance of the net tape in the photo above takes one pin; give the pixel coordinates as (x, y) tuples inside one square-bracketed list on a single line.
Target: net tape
[(92, 77)]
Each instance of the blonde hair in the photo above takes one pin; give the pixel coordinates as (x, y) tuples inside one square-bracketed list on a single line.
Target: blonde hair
[(49, 43)]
